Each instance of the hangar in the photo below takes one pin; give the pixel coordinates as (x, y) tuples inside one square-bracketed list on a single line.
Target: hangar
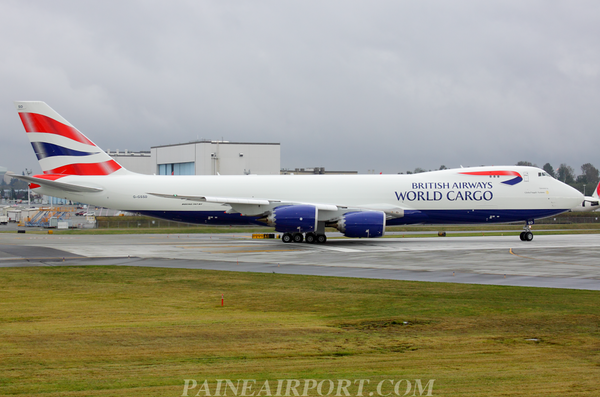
[(204, 158)]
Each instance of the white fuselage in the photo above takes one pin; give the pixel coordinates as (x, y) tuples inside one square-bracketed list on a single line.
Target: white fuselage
[(442, 196)]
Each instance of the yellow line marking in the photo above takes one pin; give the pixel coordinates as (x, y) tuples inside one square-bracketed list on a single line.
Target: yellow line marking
[(548, 260)]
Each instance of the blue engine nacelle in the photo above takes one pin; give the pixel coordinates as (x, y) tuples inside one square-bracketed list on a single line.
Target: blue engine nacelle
[(294, 218), (362, 224)]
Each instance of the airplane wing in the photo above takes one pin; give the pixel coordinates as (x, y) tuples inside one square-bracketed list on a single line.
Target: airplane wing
[(252, 207), (57, 184), (245, 206), (223, 200)]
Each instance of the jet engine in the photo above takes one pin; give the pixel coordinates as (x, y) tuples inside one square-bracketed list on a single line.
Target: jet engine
[(362, 224), (294, 218)]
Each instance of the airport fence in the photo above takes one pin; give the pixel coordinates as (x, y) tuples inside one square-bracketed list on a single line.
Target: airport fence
[(564, 220), (117, 222)]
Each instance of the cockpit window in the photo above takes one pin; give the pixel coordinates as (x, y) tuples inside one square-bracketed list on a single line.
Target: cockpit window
[(543, 174)]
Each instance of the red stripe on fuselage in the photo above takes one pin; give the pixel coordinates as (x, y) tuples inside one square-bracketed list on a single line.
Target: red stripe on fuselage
[(105, 168), (34, 122), (512, 173)]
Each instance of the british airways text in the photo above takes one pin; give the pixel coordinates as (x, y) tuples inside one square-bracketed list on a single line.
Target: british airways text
[(457, 191)]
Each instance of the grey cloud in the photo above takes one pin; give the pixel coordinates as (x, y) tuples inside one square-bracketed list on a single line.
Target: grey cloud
[(384, 85)]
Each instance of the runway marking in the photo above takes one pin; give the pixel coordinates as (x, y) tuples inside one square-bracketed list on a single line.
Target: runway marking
[(248, 251), (340, 249), (218, 249), (45, 238), (214, 246), (41, 259), (229, 248), (548, 260)]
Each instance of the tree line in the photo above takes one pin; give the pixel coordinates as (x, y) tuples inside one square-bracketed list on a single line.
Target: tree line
[(14, 190), (585, 182)]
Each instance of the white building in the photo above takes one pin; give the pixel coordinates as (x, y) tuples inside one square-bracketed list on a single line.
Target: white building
[(204, 158), (140, 162)]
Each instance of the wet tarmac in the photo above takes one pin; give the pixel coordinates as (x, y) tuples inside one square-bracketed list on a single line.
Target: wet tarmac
[(557, 261)]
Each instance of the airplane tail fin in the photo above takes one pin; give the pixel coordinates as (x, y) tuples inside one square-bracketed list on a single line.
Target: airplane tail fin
[(60, 148), (596, 193)]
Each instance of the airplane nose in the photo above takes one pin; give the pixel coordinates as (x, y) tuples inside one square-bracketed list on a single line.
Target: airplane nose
[(571, 196)]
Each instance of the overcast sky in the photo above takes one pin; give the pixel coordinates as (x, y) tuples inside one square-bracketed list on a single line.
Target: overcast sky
[(371, 85)]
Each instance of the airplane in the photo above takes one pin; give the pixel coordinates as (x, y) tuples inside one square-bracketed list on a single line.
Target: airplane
[(298, 206), (589, 203)]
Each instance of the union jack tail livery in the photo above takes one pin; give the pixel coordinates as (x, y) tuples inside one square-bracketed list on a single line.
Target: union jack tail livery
[(60, 148)]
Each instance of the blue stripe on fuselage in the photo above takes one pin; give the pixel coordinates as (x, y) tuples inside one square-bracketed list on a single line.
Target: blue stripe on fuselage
[(411, 217)]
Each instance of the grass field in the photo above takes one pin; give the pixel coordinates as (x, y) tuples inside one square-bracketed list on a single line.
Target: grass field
[(119, 331), (568, 223)]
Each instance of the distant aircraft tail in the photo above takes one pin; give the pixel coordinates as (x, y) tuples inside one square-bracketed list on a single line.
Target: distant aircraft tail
[(60, 148), (590, 203)]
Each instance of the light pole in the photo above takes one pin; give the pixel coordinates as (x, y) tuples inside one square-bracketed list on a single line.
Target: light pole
[(28, 172), (584, 189)]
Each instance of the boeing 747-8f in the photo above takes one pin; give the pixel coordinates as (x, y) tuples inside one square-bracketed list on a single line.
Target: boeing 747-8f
[(299, 206)]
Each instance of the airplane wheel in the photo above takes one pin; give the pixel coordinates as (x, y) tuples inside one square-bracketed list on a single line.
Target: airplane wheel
[(298, 237), (321, 238), (310, 238), (522, 236), (286, 238), (528, 236)]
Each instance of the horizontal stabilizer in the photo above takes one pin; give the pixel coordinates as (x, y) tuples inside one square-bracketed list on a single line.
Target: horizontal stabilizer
[(591, 199), (56, 184)]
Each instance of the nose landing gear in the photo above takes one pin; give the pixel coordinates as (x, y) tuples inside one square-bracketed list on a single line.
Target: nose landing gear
[(526, 234)]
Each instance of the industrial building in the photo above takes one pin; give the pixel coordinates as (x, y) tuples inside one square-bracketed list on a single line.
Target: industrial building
[(3, 171), (204, 158), (212, 158), (313, 171)]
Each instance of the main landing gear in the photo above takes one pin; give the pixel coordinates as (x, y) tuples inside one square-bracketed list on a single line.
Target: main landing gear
[(310, 238)]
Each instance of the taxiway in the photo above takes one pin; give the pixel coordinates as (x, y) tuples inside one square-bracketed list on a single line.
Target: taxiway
[(558, 261)]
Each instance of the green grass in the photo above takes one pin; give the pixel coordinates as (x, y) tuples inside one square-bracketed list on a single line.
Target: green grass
[(519, 227), (488, 233), (186, 230), (119, 331), (391, 232), (569, 223)]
